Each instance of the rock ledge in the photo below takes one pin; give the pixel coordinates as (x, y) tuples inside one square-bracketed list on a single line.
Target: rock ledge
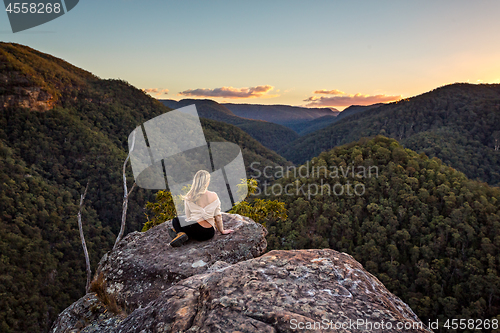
[(227, 285)]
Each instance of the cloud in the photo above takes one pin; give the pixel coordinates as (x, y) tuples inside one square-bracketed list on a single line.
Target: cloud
[(347, 100), (329, 92), (230, 92), (156, 91)]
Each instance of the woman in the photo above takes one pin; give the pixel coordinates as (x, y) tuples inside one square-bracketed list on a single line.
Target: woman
[(202, 206)]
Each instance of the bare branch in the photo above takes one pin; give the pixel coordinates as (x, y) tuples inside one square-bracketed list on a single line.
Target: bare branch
[(126, 194), (82, 237), (132, 189)]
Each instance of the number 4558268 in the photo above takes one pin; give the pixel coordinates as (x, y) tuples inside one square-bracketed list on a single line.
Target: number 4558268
[(33, 8), (472, 324)]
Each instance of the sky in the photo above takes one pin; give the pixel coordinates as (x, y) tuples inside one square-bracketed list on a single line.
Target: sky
[(306, 53)]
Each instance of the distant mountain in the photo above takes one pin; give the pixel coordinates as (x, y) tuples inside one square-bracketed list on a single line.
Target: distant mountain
[(314, 125), (294, 117), (458, 123), (61, 127), (353, 109), (270, 134), (325, 121), (207, 108)]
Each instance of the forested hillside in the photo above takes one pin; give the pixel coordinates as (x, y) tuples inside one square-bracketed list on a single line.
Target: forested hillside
[(427, 232), (62, 127), (458, 123), (271, 135)]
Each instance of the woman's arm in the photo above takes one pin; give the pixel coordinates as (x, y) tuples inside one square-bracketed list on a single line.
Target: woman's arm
[(220, 226), (218, 219), (218, 223)]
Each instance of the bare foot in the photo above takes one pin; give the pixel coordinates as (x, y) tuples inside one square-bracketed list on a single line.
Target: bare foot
[(227, 231)]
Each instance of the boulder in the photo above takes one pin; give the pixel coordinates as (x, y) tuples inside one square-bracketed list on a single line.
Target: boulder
[(227, 285), (282, 291), (144, 264)]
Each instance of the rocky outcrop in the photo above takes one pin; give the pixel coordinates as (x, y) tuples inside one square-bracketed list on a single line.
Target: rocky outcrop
[(22, 93), (143, 264), (33, 98), (223, 286)]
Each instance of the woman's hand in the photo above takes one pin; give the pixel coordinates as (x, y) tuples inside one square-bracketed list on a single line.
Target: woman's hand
[(227, 231)]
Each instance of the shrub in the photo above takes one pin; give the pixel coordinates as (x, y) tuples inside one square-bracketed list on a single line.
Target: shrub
[(98, 286)]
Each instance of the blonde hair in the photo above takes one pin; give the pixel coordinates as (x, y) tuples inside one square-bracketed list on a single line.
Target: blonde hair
[(200, 184)]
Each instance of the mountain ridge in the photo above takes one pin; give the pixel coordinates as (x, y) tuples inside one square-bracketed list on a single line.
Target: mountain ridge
[(248, 109), (296, 118), (267, 133), (455, 123)]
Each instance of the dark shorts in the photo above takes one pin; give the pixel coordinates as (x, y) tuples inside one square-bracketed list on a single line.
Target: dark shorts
[(194, 231)]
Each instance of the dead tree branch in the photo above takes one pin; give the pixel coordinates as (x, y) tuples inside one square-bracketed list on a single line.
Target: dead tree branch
[(126, 194), (82, 237)]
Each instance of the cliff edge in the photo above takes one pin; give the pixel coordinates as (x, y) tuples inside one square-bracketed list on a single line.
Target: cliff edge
[(227, 284)]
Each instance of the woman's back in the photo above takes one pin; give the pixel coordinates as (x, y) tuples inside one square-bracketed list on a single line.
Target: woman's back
[(203, 211), (206, 198)]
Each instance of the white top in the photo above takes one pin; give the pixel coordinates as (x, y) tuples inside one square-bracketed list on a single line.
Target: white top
[(198, 213)]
